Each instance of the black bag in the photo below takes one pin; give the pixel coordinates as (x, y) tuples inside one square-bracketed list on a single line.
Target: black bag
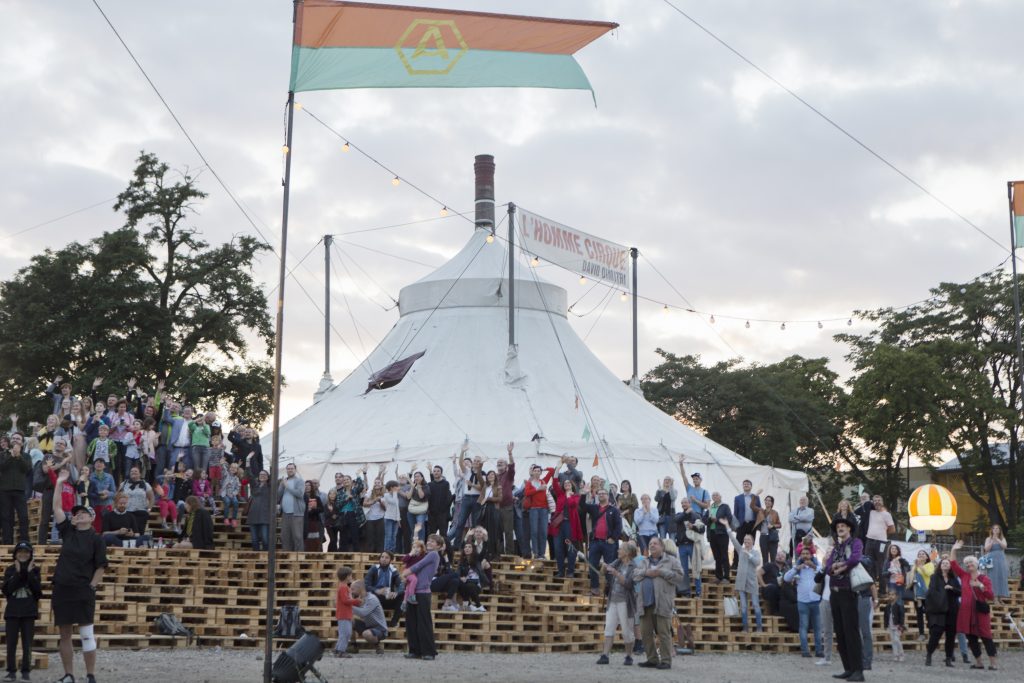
[(170, 625), (289, 624), (40, 479), (982, 607)]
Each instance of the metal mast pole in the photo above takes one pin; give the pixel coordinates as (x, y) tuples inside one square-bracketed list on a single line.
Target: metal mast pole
[(268, 648), (1016, 291), (511, 274), (633, 253), (328, 241)]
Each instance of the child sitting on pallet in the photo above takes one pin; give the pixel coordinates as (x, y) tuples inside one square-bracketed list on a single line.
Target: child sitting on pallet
[(416, 553)]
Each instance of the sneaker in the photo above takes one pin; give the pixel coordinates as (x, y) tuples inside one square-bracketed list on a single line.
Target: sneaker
[(164, 525), (823, 662), (26, 676), (628, 661), (449, 608), (379, 649), (10, 676), (638, 647), (89, 678), (664, 665), (603, 659)]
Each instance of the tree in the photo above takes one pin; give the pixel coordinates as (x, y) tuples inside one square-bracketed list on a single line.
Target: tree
[(151, 299), (958, 348), (787, 414)]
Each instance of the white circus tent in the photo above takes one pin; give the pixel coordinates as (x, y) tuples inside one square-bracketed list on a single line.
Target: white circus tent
[(470, 386)]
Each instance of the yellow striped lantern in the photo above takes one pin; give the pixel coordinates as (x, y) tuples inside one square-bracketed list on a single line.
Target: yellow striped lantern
[(932, 508)]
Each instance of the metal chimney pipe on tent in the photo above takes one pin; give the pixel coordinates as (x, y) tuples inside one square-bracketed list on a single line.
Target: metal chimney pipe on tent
[(483, 169)]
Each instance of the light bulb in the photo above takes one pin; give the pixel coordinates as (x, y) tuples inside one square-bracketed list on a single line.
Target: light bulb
[(624, 296), (490, 238), (583, 280), (782, 327), (712, 319), (298, 106), (395, 181), (444, 210), (820, 325), (664, 309), (284, 149), (849, 323), (345, 147), (747, 325), (535, 262)]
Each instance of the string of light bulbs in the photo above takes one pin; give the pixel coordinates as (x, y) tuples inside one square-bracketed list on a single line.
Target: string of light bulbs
[(396, 178), (535, 261), (709, 316)]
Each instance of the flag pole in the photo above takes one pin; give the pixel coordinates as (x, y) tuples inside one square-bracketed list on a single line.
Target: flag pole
[(511, 275), (268, 646), (1016, 289)]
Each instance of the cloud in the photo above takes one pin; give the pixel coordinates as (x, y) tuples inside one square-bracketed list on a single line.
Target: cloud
[(749, 203)]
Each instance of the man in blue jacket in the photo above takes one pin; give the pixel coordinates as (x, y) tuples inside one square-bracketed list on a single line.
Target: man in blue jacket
[(606, 523), (745, 507)]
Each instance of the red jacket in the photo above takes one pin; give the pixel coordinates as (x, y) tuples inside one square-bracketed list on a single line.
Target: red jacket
[(570, 505), (343, 603), (536, 497), (969, 620)]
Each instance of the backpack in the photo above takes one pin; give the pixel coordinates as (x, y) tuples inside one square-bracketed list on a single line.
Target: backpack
[(289, 624), (170, 625)]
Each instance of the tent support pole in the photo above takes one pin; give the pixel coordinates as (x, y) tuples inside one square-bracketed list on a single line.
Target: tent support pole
[(328, 241), (511, 274), (633, 253)]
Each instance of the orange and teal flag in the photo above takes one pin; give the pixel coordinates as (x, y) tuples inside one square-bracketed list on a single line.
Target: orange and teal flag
[(362, 45), (1017, 206)]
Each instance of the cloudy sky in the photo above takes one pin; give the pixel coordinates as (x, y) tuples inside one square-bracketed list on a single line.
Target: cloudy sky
[(749, 203)]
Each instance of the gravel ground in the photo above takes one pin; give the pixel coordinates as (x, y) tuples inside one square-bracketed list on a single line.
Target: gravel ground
[(215, 666)]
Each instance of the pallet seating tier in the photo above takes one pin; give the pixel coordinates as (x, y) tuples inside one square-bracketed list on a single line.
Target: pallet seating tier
[(221, 594)]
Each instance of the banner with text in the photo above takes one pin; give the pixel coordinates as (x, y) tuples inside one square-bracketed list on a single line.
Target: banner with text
[(573, 249)]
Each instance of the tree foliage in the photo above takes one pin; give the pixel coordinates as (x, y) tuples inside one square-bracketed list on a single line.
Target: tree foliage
[(934, 381), (151, 300), (786, 414), (944, 379)]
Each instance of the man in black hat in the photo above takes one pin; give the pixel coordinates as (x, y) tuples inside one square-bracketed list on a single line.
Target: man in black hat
[(845, 556), (23, 590), (83, 558)]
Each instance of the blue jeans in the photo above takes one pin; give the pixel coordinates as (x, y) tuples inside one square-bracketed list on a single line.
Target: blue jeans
[(685, 553), (260, 534), (810, 614), (413, 521), (468, 511), (390, 534), (665, 523), (184, 454), (642, 541), (564, 551), (231, 502), (538, 531), (755, 603), (865, 615), (200, 458), (600, 550)]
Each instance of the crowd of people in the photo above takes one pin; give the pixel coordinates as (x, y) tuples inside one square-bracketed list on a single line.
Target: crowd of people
[(106, 462)]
